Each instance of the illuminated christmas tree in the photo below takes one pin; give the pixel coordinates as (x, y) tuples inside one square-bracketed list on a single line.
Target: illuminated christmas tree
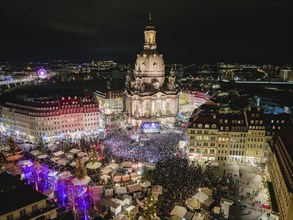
[(93, 155), (93, 163), (80, 169), (149, 207)]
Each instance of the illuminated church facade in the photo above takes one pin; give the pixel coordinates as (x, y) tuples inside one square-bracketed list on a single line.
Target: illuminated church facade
[(150, 95)]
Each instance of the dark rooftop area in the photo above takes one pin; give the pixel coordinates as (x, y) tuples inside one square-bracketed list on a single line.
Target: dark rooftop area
[(17, 195), (8, 181)]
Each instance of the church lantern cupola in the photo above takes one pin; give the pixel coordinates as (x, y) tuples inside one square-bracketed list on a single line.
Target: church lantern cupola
[(150, 36)]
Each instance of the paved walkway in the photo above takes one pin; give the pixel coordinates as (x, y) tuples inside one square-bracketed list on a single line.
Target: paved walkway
[(251, 189)]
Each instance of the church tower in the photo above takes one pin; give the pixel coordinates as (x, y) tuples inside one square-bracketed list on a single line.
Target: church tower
[(150, 95)]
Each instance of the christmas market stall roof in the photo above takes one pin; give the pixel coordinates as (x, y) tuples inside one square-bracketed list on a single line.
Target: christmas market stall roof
[(192, 203), (10, 191), (134, 188), (179, 211), (201, 196), (94, 165)]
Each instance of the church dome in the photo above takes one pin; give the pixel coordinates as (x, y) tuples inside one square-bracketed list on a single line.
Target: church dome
[(150, 64)]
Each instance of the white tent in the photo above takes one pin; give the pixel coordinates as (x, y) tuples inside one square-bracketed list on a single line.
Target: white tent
[(62, 162), (201, 196), (121, 190), (134, 188), (74, 151), (198, 216), (80, 182), (109, 192), (96, 191), (81, 154), (179, 211), (207, 191), (106, 170), (52, 173), (84, 159), (65, 175), (58, 153), (73, 164), (55, 159), (145, 184), (134, 176), (105, 178), (113, 166), (52, 147), (42, 156), (93, 166), (192, 203), (117, 178), (126, 164), (70, 157)]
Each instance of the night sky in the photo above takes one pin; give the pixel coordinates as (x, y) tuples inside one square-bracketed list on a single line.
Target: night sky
[(199, 31)]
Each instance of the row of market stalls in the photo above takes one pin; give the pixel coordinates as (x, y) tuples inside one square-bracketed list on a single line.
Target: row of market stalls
[(196, 207)]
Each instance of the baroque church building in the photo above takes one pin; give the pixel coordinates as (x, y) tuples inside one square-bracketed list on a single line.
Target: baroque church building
[(150, 95)]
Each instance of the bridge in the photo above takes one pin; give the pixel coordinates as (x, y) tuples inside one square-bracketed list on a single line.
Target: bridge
[(8, 84)]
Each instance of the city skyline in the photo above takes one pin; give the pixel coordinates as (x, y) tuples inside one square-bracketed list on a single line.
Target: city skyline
[(188, 32)]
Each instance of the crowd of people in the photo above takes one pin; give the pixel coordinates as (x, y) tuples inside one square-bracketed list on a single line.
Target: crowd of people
[(145, 147), (180, 180)]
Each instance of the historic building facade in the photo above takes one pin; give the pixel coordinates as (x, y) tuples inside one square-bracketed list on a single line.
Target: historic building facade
[(280, 167), (49, 119), (239, 136), (149, 97)]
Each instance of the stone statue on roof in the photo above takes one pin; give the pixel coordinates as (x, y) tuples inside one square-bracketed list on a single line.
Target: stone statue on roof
[(171, 80), (128, 80)]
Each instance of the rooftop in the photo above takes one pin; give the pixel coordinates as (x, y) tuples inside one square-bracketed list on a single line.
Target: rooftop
[(17, 196)]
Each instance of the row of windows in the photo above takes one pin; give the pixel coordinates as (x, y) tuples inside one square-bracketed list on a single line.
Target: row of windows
[(237, 146), (254, 146), (233, 140), (236, 152), (222, 151), (256, 127), (255, 133), (205, 144), (202, 132), (199, 137), (256, 139), (214, 126), (256, 122)]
